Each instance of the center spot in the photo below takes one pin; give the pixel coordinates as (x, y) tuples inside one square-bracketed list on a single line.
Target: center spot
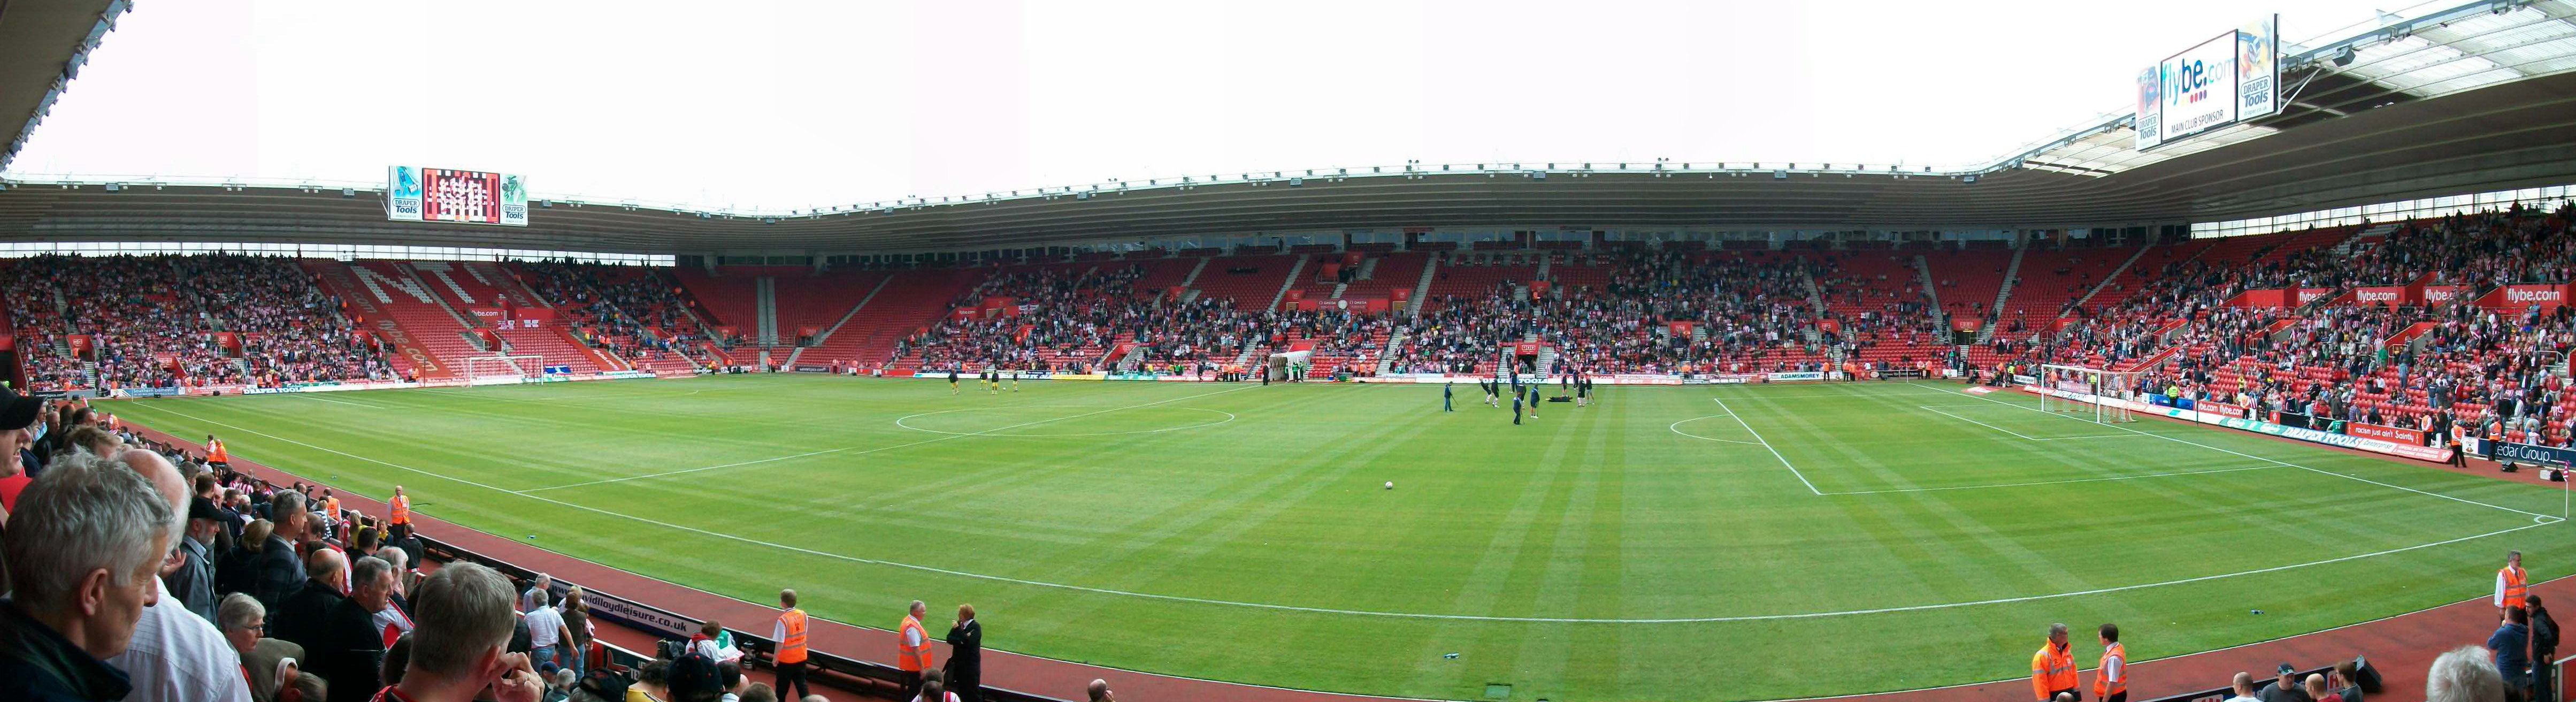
[(1062, 421)]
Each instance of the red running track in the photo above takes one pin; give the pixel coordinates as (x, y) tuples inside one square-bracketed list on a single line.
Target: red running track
[(2402, 647)]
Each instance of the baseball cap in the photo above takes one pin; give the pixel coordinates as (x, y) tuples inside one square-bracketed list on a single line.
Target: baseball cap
[(2287, 669), (693, 676), (17, 411)]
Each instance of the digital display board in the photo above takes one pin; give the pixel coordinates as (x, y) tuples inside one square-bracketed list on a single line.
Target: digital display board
[(414, 194)]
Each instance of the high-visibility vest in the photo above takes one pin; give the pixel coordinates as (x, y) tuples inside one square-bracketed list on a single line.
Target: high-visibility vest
[(401, 508), (908, 657), (792, 649), (215, 452), (2051, 669), (2104, 686), (2515, 587), (331, 506)]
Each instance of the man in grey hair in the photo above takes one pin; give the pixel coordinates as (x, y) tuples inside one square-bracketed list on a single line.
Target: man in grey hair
[(175, 655), (84, 546), (465, 619), (2463, 675), (278, 571)]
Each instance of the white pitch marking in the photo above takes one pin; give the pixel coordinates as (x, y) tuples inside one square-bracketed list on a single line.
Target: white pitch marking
[(1676, 428), (1766, 444), (2051, 482), (345, 402)]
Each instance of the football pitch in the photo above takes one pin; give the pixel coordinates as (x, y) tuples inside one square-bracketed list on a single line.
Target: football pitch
[(1716, 542)]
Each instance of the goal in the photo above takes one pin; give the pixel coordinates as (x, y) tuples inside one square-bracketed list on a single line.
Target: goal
[(487, 370), (2097, 394)]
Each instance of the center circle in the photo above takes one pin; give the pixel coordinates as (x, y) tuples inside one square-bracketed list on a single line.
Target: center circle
[(1676, 428), (1061, 421)]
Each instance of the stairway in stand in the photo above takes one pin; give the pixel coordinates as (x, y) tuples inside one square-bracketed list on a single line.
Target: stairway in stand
[(2012, 275), (410, 315), (477, 289)]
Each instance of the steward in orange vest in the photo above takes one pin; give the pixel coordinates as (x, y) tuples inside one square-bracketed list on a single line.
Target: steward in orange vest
[(2511, 583), (2111, 680), (2052, 669), (215, 453), (790, 635), (912, 650), (399, 506)]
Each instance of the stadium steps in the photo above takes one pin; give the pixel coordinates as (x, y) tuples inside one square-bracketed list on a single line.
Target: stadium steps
[(2012, 274), (2374, 234), (1816, 304), (909, 301), (2113, 277), (431, 340), (1931, 293), (1299, 266), (1422, 288), (854, 311), (1386, 355), (413, 270), (1193, 277), (1544, 264), (765, 295)]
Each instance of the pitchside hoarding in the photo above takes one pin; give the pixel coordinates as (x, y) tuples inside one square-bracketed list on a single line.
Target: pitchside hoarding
[(414, 194), (2228, 79)]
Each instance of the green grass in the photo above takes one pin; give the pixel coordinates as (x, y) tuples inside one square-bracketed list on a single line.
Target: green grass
[(1272, 496)]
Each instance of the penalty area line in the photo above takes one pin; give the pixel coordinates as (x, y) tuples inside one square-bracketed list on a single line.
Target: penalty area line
[(2553, 519)]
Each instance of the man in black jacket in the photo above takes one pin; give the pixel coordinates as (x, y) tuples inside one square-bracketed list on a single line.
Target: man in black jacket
[(966, 656), (278, 572), (353, 649), (300, 617), (2544, 649)]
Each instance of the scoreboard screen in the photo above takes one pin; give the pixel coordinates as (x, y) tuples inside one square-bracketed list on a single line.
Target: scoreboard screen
[(447, 195)]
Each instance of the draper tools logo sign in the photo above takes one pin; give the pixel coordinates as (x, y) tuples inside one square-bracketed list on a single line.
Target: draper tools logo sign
[(402, 194), (2258, 67), (514, 201)]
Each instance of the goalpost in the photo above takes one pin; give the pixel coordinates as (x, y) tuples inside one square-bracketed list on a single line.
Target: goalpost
[(2101, 389), (486, 370)]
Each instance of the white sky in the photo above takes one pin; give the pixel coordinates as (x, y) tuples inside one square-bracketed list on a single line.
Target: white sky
[(798, 104)]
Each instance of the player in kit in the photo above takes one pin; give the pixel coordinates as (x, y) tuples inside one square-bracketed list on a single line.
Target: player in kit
[(992, 379), (1493, 397), (1582, 390), (1015, 380), (952, 380)]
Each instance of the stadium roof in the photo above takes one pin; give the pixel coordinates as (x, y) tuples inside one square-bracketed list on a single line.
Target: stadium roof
[(43, 44), (2466, 98)]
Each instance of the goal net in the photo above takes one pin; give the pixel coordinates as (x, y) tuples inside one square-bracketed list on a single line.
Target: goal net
[(2088, 393), (487, 370)]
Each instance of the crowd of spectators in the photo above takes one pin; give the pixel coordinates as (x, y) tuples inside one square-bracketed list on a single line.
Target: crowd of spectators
[(636, 314), (2488, 371), (164, 322), (1751, 313), (1060, 320)]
